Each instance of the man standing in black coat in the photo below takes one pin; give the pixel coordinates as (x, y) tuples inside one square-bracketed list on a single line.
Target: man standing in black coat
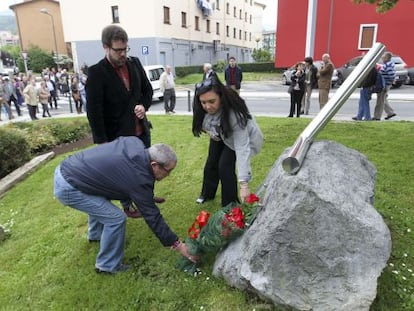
[(118, 92)]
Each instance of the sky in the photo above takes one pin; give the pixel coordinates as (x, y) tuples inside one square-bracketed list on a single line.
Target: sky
[(269, 14)]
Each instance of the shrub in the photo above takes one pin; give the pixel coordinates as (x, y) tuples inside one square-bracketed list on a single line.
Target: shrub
[(14, 150), (20, 140)]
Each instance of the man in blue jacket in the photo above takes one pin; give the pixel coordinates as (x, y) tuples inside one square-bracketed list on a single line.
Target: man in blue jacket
[(90, 179)]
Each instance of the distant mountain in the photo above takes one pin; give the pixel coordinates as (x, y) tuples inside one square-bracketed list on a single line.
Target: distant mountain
[(8, 22)]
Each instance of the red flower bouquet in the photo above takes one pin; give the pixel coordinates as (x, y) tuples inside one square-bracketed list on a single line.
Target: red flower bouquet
[(210, 233)]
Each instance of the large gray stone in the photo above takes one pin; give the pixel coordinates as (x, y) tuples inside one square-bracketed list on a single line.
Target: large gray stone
[(318, 243)]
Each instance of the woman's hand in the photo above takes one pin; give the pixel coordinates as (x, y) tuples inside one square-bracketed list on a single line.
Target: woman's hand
[(244, 190)]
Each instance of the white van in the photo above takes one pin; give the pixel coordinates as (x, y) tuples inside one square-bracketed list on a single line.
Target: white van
[(153, 73)]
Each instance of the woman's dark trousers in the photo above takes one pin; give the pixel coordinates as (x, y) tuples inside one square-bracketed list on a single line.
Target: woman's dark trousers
[(220, 166)]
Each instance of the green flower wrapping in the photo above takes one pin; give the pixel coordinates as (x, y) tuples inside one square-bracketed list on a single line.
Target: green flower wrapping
[(210, 233)]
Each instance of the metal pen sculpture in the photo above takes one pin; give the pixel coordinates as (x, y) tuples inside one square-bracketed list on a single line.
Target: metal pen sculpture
[(295, 158)]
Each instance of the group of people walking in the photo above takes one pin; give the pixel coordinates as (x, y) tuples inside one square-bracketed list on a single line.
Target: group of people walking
[(306, 77), (24, 91)]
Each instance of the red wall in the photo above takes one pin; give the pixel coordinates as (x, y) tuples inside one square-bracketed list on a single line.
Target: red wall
[(395, 30)]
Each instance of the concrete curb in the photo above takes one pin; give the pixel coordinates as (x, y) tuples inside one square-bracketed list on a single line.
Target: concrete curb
[(22, 172)]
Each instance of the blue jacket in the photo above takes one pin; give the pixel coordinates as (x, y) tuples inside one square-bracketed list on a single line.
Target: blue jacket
[(119, 170)]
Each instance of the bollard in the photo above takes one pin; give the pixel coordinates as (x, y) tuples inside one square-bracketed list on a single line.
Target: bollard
[(295, 158), (189, 100)]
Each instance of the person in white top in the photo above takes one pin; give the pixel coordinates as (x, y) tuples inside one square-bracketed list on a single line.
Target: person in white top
[(167, 86)]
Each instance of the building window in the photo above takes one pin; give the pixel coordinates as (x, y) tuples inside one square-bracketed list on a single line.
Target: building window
[(115, 14), (208, 26), (218, 5), (183, 19), (228, 8), (240, 34), (227, 31), (217, 28), (234, 33), (197, 23), (367, 36), (234, 12), (167, 15), (240, 14), (245, 16), (250, 36), (245, 35)]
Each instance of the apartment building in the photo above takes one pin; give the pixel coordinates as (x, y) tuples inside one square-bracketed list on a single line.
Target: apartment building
[(179, 32)]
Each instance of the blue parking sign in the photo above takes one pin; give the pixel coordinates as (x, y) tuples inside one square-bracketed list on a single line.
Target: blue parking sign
[(145, 50)]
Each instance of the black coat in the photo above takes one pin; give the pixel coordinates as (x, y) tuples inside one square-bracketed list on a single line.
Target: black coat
[(110, 105)]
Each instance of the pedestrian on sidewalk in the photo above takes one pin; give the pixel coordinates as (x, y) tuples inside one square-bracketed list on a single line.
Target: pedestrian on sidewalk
[(325, 79), (297, 89), (388, 72), (10, 94), (367, 85), (44, 96), (311, 82), (31, 98), (3, 103), (233, 75), (167, 87)]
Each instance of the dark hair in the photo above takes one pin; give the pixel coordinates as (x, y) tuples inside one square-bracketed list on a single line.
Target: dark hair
[(232, 57), (230, 102), (113, 33), (309, 60)]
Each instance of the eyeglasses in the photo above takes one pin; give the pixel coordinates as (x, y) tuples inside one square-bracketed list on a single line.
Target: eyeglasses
[(126, 50), (168, 171)]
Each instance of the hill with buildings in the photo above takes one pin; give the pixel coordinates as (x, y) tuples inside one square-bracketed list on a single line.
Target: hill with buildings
[(8, 23)]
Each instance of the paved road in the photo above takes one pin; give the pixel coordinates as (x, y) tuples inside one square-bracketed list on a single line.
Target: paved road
[(264, 99)]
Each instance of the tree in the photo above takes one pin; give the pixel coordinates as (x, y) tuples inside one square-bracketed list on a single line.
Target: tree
[(38, 59), (261, 56), (382, 6)]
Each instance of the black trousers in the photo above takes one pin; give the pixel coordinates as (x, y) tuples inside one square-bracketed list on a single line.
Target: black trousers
[(295, 102), (220, 166)]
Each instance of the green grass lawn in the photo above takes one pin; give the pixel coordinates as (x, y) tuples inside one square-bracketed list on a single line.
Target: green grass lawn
[(48, 263)]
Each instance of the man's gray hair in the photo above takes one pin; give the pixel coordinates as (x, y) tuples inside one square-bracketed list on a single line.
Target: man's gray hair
[(207, 66), (162, 154)]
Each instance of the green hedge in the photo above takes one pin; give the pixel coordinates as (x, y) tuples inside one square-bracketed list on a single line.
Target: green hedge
[(14, 150), (247, 67), (22, 140)]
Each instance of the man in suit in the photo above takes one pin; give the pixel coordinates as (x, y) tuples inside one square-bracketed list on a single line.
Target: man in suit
[(118, 92), (324, 81)]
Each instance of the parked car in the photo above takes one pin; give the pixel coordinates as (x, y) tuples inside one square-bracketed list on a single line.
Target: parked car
[(400, 68), (154, 73), (286, 77), (410, 79)]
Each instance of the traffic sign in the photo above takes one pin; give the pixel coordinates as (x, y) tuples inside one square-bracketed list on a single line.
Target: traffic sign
[(145, 50)]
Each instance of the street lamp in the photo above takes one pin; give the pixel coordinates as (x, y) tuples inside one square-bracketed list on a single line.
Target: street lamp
[(24, 55), (45, 11)]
